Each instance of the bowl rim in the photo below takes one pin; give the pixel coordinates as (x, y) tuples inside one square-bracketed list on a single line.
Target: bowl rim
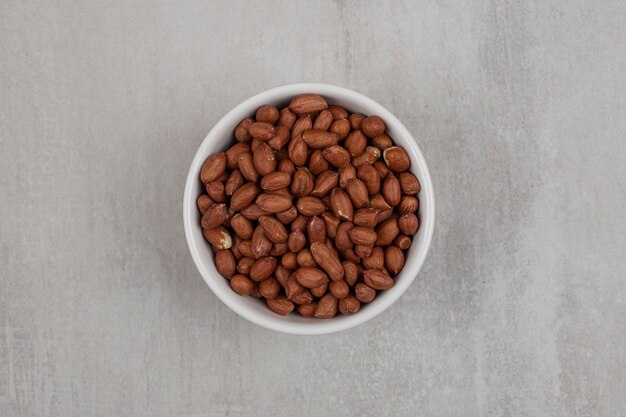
[(318, 327)]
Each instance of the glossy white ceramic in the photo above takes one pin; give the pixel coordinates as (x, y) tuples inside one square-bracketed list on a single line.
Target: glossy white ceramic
[(221, 137)]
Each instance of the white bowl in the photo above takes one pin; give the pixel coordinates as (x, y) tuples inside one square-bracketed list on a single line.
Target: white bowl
[(221, 137)]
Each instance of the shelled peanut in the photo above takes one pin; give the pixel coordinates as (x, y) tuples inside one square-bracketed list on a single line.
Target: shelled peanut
[(312, 209)]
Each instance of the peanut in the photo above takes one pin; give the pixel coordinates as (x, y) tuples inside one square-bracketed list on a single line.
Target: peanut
[(312, 207)]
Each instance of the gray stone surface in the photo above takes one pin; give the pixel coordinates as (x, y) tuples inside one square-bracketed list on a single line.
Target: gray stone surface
[(519, 108)]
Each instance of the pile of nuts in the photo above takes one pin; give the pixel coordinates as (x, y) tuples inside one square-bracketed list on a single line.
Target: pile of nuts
[(304, 213)]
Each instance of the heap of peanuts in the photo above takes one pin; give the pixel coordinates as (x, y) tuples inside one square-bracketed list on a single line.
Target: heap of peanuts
[(303, 212)]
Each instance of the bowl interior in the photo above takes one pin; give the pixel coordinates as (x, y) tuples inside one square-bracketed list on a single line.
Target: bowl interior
[(221, 138)]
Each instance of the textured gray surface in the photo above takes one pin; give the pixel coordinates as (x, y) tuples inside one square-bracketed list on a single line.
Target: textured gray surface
[(519, 108)]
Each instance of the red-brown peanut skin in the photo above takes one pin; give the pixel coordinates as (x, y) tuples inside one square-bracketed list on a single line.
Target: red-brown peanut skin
[(311, 208)]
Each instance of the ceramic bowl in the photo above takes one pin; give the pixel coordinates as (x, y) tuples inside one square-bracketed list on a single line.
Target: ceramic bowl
[(221, 138)]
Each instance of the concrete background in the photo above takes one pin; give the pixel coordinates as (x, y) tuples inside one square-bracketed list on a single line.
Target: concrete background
[(519, 108)]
